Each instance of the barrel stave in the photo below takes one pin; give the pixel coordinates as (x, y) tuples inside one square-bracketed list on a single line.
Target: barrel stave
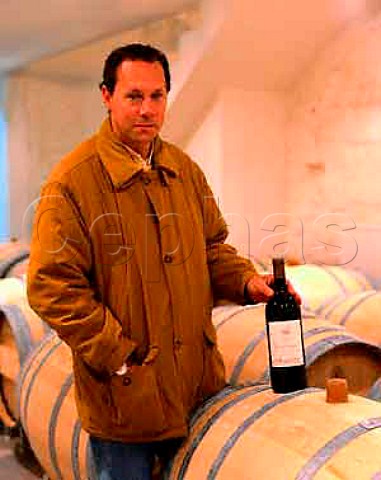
[(56, 436), (272, 436)]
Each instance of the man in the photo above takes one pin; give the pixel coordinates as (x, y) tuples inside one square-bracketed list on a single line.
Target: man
[(127, 254)]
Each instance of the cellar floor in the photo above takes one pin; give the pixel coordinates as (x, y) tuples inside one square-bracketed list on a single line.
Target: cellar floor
[(10, 467)]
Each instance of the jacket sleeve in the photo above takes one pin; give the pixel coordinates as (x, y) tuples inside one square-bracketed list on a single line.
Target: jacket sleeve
[(59, 287), (229, 272)]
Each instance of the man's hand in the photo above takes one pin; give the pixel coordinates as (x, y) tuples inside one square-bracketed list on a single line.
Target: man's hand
[(258, 289)]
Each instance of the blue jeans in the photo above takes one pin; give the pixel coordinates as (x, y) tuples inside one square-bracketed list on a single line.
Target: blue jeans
[(130, 461)]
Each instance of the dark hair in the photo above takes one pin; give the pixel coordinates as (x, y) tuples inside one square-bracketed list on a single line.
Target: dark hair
[(133, 51)]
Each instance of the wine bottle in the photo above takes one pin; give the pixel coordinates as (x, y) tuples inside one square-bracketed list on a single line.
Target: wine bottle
[(287, 358)]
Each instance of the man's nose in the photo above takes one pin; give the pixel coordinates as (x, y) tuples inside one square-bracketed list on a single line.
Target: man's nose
[(146, 106)]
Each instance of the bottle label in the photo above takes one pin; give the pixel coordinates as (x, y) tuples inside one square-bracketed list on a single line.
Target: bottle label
[(286, 343)]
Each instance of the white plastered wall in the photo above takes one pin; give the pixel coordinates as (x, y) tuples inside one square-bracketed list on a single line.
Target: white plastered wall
[(334, 151), (46, 120), (245, 162)]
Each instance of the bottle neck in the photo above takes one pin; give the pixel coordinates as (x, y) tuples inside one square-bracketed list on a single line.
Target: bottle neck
[(279, 274), (280, 285)]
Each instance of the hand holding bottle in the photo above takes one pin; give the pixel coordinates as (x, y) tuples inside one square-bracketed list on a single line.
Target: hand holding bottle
[(258, 289)]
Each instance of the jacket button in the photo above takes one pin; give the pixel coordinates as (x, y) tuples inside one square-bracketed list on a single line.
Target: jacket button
[(168, 258), (126, 381), (178, 344), (146, 180)]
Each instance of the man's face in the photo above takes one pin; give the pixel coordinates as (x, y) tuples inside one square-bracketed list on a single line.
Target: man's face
[(137, 105)]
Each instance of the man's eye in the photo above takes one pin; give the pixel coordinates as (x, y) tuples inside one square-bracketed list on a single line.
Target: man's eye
[(157, 96), (135, 97)]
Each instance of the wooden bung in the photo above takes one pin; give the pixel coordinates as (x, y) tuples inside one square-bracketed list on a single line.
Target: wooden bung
[(337, 390)]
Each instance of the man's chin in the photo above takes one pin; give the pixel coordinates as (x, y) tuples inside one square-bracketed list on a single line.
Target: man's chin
[(145, 136), (141, 139)]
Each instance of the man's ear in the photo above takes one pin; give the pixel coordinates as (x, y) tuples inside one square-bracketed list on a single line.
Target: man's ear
[(106, 96)]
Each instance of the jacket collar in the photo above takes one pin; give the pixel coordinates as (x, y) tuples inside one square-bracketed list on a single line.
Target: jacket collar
[(119, 162)]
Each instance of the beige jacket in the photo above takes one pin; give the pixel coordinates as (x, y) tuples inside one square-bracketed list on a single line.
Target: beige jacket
[(126, 261)]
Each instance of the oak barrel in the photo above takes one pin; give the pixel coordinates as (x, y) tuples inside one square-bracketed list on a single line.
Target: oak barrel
[(12, 290), (20, 332), (320, 285), (55, 433), (360, 313), (19, 269), (375, 391), (11, 254), (329, 348), (252, 433)]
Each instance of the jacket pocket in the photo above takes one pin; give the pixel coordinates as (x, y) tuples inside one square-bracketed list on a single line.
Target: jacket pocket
[(137, 402), (213, 379)]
